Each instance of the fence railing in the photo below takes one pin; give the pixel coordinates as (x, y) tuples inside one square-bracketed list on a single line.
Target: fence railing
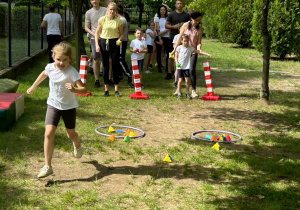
[(20, 31)]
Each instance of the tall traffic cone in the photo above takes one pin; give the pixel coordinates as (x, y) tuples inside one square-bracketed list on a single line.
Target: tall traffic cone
[(137, 81), (83, 73), (210, 94)]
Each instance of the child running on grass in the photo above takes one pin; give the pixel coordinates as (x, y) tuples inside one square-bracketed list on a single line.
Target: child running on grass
[(61, 102), (182, 57), (150, 32), (138, 47)]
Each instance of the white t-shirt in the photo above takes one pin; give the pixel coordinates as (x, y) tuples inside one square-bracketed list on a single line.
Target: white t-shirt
[(175, 38), (138, 44), (59, 96), (92, 16), (184, 56), (162, 25), (149, 39), (53, 20)]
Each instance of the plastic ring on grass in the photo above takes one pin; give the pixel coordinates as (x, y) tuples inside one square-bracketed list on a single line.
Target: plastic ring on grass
[(217, 131), (121, 126)]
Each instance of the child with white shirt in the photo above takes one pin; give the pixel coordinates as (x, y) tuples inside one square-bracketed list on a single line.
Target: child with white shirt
[(138, 47), (183, 59), (150, 33)]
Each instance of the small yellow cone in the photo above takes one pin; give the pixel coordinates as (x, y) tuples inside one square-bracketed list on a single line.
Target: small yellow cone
[(221, 138), (216, 146), (111, 129), (127, 132), (112, 137), (131, 134), (168, 158)]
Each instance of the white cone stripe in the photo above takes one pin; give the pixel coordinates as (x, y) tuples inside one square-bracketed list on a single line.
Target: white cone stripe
[(206, 64), (138, 89), (82, 71), (206, 73), (209, 90), (135, 72), (83, 81), (83, 63), (137, 81), (134, 63), (208, 81)]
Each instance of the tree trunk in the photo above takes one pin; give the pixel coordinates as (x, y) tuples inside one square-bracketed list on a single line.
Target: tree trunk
[(76, 7), (264, 92), (141, 6)]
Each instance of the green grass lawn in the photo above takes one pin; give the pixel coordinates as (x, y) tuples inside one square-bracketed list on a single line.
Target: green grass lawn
[(260, 172)]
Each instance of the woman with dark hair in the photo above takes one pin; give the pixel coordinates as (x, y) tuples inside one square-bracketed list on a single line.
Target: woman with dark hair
[(52, 23), (194, 30), (160, 22)]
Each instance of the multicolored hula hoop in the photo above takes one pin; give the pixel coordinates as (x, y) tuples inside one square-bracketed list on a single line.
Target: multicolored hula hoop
[(121, 126), (217, 131)]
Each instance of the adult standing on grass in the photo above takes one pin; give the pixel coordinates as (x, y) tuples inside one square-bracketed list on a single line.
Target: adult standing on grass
[(174, 22), (91, 22), (126, 15), (124, 44), (163, 33), (110, 29), (52, 23), (61, 102), (194, 30)]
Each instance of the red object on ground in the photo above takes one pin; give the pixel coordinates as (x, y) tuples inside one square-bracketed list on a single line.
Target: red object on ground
[(137, 82), (83, 73), (210, 94)]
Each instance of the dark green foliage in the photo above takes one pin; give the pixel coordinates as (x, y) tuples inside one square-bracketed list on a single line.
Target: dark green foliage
[(284, 27), (4, 20), (235, 23)]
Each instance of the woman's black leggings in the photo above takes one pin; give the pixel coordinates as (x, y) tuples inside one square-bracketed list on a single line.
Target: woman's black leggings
[(108, 49), (168, 48), (52, 41), (193, 63)]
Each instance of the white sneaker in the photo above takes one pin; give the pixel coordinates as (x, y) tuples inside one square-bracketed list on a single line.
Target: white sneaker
[(147, 72), (176, 93), (45, 171), (78, 152), (194, 94)]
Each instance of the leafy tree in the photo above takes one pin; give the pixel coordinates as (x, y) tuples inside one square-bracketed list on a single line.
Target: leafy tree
[(284, 27)]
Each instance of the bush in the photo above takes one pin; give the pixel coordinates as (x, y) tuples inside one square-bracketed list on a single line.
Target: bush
[(235, 23), (284, 27)]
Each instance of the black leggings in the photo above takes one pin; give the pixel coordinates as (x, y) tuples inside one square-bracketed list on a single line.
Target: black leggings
[(193, 63), (168, 48), (52, 41), (123, 64), (110, 50)]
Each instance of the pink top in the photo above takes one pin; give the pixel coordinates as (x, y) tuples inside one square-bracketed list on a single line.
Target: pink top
[(193, 33)]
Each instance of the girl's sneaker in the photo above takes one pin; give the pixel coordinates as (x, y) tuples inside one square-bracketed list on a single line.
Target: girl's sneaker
[(147, 72), (188, 96), (194, 94), (176, 93), (179, 96), (78, 152), (45, 171)]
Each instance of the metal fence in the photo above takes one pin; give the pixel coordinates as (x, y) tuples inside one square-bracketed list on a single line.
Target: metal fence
[(20, 31)]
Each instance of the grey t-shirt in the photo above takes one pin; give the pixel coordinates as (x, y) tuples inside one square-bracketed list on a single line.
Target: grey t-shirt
[(175, 18), (125, 28), (92, 16)]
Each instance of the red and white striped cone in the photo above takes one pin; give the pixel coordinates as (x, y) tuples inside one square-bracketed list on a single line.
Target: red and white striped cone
[(83, 72), (137, 81), (210, 94)]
